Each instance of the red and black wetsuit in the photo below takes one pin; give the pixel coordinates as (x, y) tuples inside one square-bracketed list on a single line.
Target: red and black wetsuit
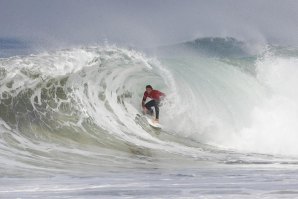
[(155, 95)]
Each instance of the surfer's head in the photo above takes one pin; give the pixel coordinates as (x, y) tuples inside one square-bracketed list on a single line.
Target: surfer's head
[(149, 89)]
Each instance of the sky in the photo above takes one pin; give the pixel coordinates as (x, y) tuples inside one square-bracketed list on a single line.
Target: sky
[(149, 22)]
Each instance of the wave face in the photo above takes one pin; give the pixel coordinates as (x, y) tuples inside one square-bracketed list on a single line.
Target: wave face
[(81, 106)]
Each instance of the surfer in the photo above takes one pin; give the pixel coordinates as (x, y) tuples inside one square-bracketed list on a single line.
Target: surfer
[(155, 96)]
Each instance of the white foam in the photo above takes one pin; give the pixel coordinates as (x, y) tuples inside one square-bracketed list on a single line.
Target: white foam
[(274, 123)]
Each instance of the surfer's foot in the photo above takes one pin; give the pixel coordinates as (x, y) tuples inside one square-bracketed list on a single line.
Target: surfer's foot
[(155, 121)]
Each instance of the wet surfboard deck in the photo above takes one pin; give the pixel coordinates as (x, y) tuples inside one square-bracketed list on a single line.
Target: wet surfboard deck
[(153, 124)]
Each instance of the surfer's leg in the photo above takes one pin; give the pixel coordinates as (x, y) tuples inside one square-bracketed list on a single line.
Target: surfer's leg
[(156, 106), (148, 106), (151, 111)]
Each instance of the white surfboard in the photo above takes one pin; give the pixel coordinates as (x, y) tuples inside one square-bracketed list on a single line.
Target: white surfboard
[(155, 125)]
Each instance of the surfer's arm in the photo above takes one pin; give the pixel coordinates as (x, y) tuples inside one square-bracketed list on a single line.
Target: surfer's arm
[(144, 99), (162, 95)]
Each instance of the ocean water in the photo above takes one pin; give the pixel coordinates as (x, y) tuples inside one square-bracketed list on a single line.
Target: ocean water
[(71, 126)]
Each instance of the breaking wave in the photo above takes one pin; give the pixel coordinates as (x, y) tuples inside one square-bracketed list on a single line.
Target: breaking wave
[(82, 106)]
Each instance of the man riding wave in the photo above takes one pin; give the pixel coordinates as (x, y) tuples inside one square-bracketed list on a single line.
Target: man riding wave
[(156, 96)]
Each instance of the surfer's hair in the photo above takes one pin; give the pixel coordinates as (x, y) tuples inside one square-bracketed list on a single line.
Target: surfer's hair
[(149, 86)]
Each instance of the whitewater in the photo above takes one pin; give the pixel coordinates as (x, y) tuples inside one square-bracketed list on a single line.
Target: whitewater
[(71, 123)]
